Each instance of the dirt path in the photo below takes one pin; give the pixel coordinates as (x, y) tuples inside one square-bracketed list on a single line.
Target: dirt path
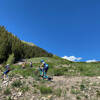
[(75, 79), (74, 84)]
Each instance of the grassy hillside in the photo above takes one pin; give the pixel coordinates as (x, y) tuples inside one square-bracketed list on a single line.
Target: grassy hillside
[(59, 67), (71, 81), (31, 44)]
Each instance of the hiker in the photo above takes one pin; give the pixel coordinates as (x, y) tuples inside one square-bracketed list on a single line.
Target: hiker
[(45, 67), (43, 71), (7, 71), (23, 65), (31, 64)]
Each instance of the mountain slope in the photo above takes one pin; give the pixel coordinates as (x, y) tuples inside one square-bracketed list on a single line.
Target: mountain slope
[(71, 81), (11, 44), (31, 44)]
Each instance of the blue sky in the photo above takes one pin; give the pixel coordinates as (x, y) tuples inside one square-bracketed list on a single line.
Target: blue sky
[(63, 27)]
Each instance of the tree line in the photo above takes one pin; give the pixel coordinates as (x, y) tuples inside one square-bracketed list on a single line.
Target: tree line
[(12, 44)]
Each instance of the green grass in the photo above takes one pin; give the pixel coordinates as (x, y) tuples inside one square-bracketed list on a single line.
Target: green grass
[(82, 87), (29, 43), (9, 98), (25, 89), (55, 60), (75, 91), (7, 91), (17, 84), (45, 90), (75, 68), (88, 69), (56, 68), (24, 72), (78, 98)]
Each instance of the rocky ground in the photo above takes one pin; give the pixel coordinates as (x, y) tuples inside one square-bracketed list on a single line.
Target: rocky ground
[(61, 88)]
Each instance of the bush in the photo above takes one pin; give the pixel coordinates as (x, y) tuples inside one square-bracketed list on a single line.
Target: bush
[(45, 90), (78, 98), (75, 91), (9, 98), (7, 91), (11, 59), (58, 72), (17, 83), (82, 87), (25, 89)]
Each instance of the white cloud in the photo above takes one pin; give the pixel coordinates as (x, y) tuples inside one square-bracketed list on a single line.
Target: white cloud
[(72, 58), (88, 61)]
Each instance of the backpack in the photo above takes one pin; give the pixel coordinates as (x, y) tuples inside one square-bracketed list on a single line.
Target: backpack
[(7, 67)]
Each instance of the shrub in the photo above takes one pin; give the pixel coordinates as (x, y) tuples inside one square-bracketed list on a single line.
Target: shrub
[(75, 91), (82, 87), (45, 90), (24, 88), (58, 72), (9, 98), (17, 83), (7, 91), (78, 98)]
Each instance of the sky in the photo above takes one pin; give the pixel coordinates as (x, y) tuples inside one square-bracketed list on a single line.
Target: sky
[(66, 28)]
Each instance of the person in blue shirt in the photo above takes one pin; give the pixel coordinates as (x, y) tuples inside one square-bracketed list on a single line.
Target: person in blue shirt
[(45, 67), (31, 64), (6, 71)]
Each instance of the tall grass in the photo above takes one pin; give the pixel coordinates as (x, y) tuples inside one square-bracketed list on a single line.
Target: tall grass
[(45, 90), (74, 68), (10, 59)]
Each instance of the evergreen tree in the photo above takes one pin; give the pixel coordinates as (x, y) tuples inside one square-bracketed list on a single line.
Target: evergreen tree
[(10, 44)]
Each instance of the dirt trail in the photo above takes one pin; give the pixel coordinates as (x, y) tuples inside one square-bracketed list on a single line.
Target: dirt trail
[(74, 84), (70, 81), (75, 79)]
